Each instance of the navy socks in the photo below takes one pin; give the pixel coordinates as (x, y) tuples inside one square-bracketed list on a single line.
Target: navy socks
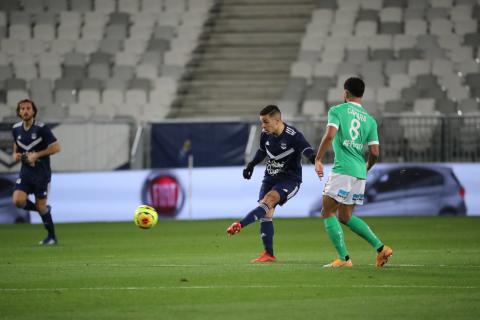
[(30, 206), (254, 215), (266, 232), (48, 223)]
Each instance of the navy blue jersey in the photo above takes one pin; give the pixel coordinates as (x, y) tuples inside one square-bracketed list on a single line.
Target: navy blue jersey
[(284, 154), (38, 137)]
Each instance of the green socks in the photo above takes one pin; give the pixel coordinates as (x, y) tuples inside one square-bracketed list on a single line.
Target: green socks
[(359, 226), (335, 233)]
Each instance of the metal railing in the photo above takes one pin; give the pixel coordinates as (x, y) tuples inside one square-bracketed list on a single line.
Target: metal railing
[(413, 137)]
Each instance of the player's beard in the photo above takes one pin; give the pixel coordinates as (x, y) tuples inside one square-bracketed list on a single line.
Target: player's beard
[(27, 118)]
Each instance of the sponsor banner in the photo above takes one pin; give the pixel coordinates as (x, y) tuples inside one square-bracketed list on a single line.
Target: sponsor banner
[(223, 193)]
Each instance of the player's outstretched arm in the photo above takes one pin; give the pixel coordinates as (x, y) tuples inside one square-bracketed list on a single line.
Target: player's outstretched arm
[(373, 154)]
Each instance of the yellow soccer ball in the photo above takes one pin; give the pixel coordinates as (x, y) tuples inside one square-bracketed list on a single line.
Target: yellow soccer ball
[(145, 217)]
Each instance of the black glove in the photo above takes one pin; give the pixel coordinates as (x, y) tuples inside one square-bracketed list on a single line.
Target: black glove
[(24, 158), (312, 159), (248, 171)]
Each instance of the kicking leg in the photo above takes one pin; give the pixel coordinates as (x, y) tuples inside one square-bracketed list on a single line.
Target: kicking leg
[(254, 215)]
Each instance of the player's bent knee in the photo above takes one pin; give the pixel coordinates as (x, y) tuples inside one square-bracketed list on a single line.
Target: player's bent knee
[(327, 214), (271, 199), (343, 220), (19, 203)]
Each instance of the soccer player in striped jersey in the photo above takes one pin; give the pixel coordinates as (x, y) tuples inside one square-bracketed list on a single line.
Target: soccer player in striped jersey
[(349, 128), (284, 146), (34, 143)]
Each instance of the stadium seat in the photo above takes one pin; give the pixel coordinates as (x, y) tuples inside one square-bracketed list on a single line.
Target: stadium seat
[(105, 6), (137, 92), (123, 72), (70, 18), (114, 92), (81, 6), (128, 6), (153, 6), (307, 56), (16, 90), (89, 93), (94, 32), (56, 6), (134, 47), (65, 91), (127, 58), (80, 111), (301, 70), (442, 66), (347, 68), (446, 106), (62, 46), (391, 14), (313, 108), (416, 27), (111, 46), (41, 92), (95, 18), (104, 111), (461, 13), (424, 106)]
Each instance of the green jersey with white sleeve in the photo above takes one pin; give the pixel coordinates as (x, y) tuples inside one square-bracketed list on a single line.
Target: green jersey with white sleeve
[(355, 129)]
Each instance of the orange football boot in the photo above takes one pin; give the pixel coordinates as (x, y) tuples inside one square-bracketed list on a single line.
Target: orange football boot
[(265, 257), (338, 263), (383, 256), (234, 228)]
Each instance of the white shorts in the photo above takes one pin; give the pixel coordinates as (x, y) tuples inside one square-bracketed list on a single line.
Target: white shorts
[(345, 189)]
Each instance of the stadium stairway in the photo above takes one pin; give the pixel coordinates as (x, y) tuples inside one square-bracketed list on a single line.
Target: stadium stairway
[(243, 62)]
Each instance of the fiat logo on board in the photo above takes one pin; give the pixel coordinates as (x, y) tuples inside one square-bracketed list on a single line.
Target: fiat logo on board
[(165, 193)]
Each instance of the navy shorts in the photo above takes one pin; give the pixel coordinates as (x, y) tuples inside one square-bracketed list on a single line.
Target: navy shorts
[(287, 189), (31, 185)]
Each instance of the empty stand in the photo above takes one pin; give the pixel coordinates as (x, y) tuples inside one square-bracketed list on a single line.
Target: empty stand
[(67, 54)]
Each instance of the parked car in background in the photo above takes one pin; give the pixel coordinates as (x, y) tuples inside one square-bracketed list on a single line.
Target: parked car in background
[(412, 190), (8, 212)]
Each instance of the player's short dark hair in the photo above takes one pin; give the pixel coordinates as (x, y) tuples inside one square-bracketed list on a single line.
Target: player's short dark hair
[(34, 107), (355, 86), (270, 110)]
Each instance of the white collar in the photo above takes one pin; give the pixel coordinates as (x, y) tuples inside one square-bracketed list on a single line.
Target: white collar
[(356, 103)]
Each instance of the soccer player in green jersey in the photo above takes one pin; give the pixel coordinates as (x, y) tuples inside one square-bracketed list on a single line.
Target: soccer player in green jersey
[(349, 128)]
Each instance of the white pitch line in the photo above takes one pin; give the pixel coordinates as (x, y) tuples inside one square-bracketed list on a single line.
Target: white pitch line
[(235, 287)]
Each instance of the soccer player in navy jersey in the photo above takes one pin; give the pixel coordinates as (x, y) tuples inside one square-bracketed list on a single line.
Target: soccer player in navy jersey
[(284, 146), (33, 145)]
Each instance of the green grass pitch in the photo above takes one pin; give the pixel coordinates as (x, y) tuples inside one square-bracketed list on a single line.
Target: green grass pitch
[(192, 270)]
